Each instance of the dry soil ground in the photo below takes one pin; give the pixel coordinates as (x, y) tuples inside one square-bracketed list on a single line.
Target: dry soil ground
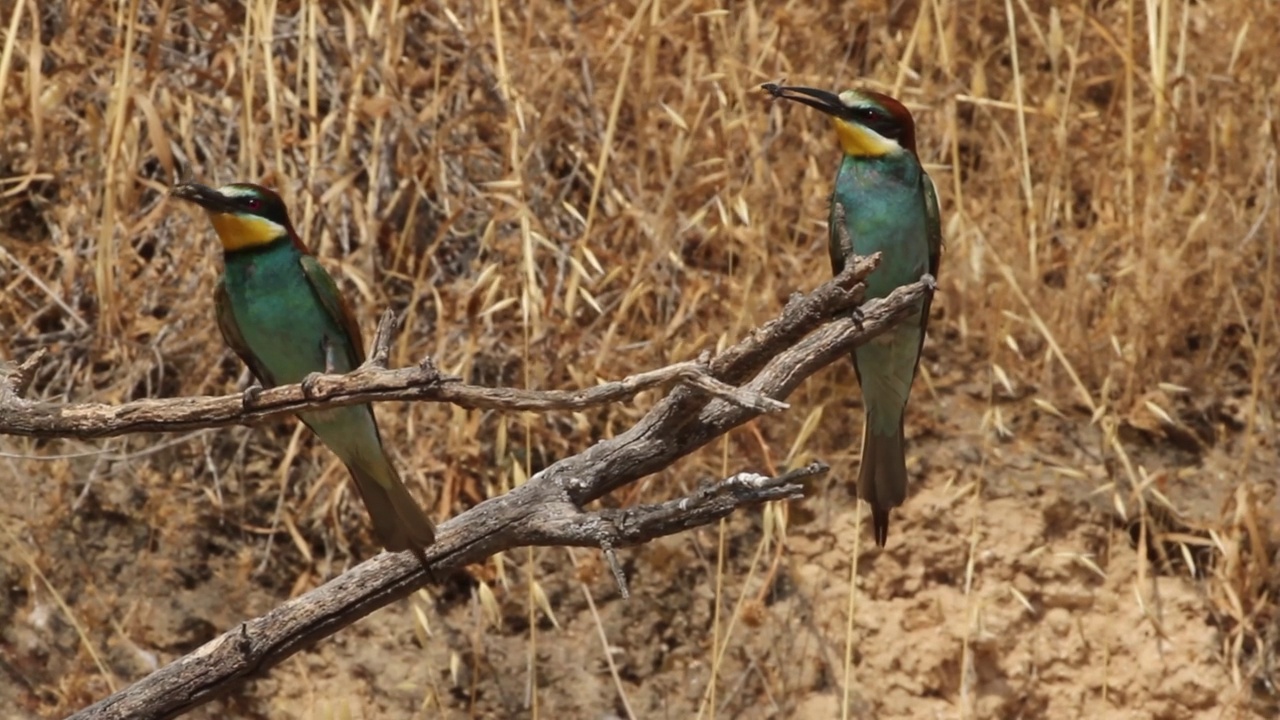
[(556, 193)]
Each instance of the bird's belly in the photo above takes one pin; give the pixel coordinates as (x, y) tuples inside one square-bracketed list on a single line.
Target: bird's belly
[(904, 255), (286, 327)]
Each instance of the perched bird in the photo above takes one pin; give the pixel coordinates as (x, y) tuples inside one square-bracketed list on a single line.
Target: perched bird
[(889, 206), (281, 313)]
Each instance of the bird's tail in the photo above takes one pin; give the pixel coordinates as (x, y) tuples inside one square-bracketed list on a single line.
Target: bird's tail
[(398, 521), (882, 479)]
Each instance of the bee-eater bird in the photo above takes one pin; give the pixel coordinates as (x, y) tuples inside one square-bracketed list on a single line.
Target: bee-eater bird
[(890, 206), (281, 312)]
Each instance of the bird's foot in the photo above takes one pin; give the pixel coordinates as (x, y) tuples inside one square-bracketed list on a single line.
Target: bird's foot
[(857, 316), (250, 396), (929, 281), (330, 362), (308, 384)]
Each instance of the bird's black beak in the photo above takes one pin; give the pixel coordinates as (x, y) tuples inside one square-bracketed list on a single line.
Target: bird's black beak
[(823, 100), (204, 196)]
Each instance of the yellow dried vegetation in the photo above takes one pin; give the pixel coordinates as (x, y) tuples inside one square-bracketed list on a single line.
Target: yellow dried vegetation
[(557, 193)]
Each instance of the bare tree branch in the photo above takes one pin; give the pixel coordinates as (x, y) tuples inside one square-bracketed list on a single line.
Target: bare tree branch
[(548, 509), (369, 382), (264, 642)]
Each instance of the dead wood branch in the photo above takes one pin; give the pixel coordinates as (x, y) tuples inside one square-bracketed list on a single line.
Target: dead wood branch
[(548, 510), (264, 642), (422, 383)]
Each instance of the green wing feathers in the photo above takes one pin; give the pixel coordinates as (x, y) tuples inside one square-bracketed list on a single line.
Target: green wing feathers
[(398, 520), (934, 219), (327, 291), (933, 226)]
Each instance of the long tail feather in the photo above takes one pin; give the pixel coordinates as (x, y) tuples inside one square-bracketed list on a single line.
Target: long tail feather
[(882, 479), (398, 519)]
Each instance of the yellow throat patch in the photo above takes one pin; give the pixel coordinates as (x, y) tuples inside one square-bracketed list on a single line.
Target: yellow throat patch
[(860, 142), (240, 232)]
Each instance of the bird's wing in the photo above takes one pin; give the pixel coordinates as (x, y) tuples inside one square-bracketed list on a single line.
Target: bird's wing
[(933, 230), (327, 291), (234, 339), (836, 247), (933, 221)]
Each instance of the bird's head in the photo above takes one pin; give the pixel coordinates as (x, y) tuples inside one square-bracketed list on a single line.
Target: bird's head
[(244, 215), (868, 123)]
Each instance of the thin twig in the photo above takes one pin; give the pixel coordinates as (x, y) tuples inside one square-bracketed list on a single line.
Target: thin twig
[(423, 383), (16, 379)]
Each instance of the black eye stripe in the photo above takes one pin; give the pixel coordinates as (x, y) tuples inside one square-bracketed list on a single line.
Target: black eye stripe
[(878, 120), (872, 115), (253, 200)]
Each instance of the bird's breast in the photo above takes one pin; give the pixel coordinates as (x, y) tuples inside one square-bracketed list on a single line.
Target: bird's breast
[(884, 212), (281, 319)]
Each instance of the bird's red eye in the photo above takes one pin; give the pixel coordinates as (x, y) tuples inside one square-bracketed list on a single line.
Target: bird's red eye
[(254, 203)]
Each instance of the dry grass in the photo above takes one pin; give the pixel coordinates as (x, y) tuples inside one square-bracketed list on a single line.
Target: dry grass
[(569, 191)]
